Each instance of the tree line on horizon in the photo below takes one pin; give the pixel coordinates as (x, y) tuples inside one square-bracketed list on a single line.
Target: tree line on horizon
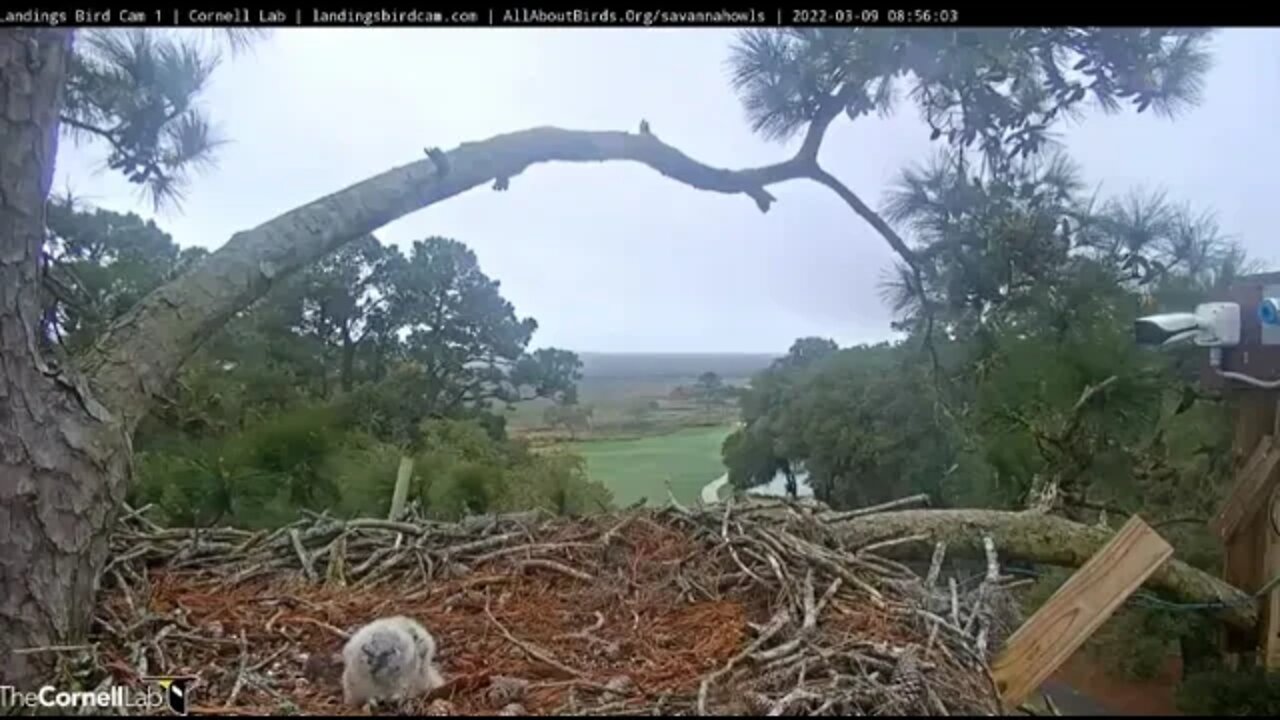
[(195, 381)]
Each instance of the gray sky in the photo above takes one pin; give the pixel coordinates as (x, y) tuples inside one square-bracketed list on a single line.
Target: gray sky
[(615, 257)]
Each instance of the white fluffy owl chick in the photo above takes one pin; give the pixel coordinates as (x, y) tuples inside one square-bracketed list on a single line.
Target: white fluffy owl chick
[(389, 659)]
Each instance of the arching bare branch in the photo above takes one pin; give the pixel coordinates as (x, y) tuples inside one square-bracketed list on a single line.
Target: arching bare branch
[(143, 350)]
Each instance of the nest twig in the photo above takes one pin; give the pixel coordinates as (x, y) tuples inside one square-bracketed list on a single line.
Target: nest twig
[(753, 608)]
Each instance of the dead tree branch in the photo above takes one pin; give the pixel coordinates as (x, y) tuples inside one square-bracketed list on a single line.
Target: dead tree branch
[(1039, 538), (140, 353)]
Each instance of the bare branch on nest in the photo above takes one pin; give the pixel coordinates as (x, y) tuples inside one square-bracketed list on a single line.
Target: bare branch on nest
[(754, 607)]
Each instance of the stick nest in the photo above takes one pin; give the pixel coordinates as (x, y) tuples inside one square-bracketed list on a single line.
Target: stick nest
[(753, 607)]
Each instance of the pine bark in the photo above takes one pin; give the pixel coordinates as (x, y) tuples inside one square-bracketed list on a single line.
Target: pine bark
[(64, 432), (63, 460)]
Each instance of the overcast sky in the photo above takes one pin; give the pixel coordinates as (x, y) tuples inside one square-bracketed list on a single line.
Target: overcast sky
[(616, 257)]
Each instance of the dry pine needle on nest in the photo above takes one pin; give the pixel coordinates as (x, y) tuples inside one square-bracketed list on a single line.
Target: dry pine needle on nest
[(749, 608)]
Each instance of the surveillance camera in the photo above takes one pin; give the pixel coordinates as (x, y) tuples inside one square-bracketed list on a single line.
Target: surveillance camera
[(1269, 311), (1165, 329), (1211, 325)]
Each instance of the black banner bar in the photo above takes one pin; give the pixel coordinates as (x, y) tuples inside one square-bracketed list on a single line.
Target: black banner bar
[(681, 13)]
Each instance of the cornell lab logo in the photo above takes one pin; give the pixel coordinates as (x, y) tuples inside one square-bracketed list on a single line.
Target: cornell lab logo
[(177, 691)]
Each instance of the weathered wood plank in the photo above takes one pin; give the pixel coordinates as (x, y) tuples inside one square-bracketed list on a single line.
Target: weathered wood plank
[(1270, 615), (1253, 487), (1244, 553), (1077, 609)]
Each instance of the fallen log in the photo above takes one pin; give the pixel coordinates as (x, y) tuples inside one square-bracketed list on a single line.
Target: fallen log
[(1039, 538)]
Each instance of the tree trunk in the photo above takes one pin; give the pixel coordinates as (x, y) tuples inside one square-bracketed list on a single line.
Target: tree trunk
[(81, 464), (1044, 539), (63, 459), (142, 350), (379, 369), (348, 361), (64, 455), (403, 475)]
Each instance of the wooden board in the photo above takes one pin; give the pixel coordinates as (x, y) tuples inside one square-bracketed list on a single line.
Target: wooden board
[(1080, 606), (1270, 615), (1275, 428), (1244, 557), (1252, 489)]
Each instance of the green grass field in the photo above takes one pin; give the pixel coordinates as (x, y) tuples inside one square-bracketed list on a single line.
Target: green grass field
[(633, 469), (614, 382), (610, 398)]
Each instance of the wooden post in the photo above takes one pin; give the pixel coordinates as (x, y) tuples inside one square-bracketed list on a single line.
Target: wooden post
[(1248, 556), (1246, 560), (1077, 609), (1269, 612), (1270, 615), (1252, 490)]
